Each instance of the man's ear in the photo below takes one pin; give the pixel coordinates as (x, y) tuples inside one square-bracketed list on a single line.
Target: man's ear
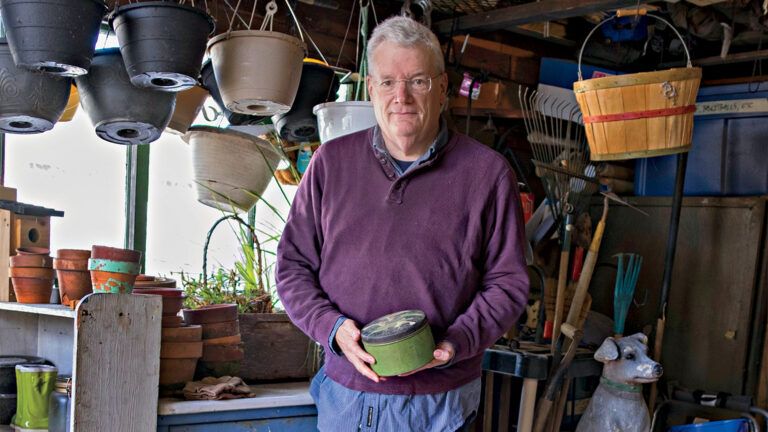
[(369, 84), (608, 351)]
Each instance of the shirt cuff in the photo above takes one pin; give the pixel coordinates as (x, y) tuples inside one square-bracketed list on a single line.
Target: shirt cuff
[(334, 347)]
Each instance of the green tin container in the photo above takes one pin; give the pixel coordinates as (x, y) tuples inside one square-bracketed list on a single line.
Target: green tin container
[(400, 342), (34, 384)]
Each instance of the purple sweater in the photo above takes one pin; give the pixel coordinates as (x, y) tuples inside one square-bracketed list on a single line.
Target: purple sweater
[(445, 238)]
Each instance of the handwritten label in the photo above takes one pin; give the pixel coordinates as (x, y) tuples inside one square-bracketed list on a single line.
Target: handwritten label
[(737, 106)]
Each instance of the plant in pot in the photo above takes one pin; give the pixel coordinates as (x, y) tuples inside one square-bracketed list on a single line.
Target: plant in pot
[(272, 347)]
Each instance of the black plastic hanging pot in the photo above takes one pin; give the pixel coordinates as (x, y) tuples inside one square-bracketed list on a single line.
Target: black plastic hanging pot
[(162, 43), (54, 36), (30, 102), (208, 80), (121, 112), (318, 84)]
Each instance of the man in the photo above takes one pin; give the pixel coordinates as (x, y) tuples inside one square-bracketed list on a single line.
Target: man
[(406, 215)]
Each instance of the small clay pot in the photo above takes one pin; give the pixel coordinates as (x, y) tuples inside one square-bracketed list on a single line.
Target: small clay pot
[(73, 254), (165, 292), (181, 349), (172, 305), (172, 321), (225, 340), (211, 314), (177, 371), (145, 281), (32, 290), (115, 254), (33, 250), (70, 264), (192, 333), (221, 329), (31, 261), (32, 272), (218, 353), (109, 282), (73, 285)]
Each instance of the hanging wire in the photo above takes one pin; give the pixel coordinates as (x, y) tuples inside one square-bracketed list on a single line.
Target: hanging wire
[(253, 13), (304, 30), (296, 20), (346, 34), (757, 67)]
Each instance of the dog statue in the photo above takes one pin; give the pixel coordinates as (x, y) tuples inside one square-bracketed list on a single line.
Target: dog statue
[(618, 405)]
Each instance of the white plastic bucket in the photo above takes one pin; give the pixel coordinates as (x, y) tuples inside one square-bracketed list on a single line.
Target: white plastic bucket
[(335, 119)]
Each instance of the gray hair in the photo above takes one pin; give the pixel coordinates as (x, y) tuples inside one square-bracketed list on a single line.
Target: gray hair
[(405, 32)]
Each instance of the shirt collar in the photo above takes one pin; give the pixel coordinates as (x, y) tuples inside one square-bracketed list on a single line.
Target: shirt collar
[(437, 145)]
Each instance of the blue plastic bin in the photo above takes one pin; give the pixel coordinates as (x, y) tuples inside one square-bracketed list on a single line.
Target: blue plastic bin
[(563, 73), (737, 425), (729, 154)]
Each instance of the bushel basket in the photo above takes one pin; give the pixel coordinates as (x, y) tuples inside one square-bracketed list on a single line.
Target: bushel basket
[(638, 115)]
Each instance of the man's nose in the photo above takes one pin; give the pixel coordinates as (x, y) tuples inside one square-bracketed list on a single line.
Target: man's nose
[(402, 91)]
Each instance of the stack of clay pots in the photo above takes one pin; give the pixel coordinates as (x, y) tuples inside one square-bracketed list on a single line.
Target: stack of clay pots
[(173, 298), (222, 345), (113, 270), (32, 275), (72, 271)]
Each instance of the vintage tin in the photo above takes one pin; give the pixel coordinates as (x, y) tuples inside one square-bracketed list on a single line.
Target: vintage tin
[(400, 342)]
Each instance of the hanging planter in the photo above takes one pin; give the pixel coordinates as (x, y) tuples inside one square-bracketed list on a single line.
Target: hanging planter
[(208, 80), (258, 71), (54, 36), (188, 106), (30, 102), (72, 103), (318, 84), (335, 119), (121, 112), (162, 43), (232, 169)]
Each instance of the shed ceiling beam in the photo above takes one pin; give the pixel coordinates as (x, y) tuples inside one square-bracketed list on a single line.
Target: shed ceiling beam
[(717, 60), (547, 10)]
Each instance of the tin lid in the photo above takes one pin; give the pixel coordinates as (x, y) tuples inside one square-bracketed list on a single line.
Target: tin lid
[(63, 384), (394, 326)]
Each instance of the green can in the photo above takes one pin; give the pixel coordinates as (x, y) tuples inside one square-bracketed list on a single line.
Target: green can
[(400, 342)]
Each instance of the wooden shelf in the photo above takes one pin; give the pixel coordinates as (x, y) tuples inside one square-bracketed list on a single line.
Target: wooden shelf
[(267, 396), (39, 309), (484, 112)]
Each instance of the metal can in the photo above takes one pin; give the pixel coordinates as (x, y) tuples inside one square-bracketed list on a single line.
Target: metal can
[(400, 342), (59, 405)]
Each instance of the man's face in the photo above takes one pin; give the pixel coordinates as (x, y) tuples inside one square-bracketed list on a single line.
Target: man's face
[(404, 114)]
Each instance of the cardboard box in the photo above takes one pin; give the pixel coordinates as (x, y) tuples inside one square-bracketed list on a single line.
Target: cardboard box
[(7, 194)]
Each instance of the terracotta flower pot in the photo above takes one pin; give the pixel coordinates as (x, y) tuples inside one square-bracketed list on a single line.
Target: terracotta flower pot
[(225, 340), (110, 282), (239, 57), (116, 254), (172, 321), (177, 372), (211, 314), (33, 250), (32, 272), (73, 285), (165, 292), (73, 254), (223, 353), (31, 261), (32, 290), (221, 329), (70, 264), (172, 305), (191, 333), (181, 350)]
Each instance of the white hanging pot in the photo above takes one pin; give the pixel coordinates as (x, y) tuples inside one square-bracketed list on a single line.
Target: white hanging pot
[(231, 169), (335, 119), (257, 71)]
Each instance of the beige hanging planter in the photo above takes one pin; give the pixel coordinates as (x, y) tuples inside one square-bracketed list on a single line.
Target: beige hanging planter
[(188, 106), (258, 72), (231, 169)]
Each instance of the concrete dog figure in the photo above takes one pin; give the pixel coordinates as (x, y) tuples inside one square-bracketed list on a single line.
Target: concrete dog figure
[(618, 404)]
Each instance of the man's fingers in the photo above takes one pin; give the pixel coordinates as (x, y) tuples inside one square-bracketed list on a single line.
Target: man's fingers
[(363, 369)]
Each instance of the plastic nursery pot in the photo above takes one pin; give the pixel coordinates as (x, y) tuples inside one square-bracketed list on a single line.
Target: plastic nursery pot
[(318, 84), (231, 169), (275, 58), (53, 36), (31, 261), (73, 254), (116, 254), (211, 314), (32, 250), (208, 80), (400, 342), (8, 370), (335, 119), (31, 102), (162, 43), (121, 112), (32, 290), (73, 285), (192, 333), (188, 106), (72, 103)]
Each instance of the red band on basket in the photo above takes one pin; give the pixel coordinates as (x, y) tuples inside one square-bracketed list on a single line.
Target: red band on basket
[(664, 112)]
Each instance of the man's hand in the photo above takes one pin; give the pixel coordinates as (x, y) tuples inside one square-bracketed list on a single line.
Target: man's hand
[(348, 339), (444, 352)]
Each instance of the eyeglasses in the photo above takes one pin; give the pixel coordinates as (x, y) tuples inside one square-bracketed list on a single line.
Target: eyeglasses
[(416, 85)]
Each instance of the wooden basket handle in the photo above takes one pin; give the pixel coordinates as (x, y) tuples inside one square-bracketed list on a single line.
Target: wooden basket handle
[(583, 45)]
